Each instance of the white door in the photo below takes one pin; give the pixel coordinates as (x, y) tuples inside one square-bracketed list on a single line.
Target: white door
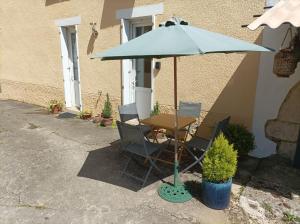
[(70, 67), (73, 67), (141, 76)]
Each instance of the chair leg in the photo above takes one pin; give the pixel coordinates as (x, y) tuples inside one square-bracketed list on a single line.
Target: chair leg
[(147, 138), (190, 166), (169, 142), (148, 172), (155, 133), (154, 165), (146, 176), (197, 161), (180, 155), (126, 166), (192, 154)]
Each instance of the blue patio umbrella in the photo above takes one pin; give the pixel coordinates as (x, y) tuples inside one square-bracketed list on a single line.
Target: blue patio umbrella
[(176, 38)]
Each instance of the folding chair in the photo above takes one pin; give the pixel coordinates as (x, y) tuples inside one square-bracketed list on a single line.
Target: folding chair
[(189, 109), (129, 112), (133, 142), (198, 145), (186, 109)]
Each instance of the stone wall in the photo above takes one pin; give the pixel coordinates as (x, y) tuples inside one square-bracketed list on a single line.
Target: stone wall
[(285, 128), (42, 94)]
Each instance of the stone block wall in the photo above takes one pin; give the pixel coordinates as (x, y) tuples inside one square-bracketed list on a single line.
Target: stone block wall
[(285, 128)]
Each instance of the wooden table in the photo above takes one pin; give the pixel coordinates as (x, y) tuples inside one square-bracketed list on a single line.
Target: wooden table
[(167, 121)]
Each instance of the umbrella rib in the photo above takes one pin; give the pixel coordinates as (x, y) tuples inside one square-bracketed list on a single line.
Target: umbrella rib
[(187, 34)]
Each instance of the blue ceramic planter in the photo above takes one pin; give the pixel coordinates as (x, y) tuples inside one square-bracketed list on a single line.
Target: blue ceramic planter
[(216, 196)]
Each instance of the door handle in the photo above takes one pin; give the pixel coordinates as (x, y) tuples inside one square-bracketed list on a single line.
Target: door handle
[(133, 84)]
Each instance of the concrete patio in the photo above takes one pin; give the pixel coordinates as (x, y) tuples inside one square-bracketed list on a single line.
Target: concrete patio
[(66, 170)]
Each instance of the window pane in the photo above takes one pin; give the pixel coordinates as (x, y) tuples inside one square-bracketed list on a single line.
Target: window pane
[(74, 56)]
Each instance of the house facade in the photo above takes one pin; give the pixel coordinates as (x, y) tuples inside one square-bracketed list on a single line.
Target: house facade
[(46, 47)]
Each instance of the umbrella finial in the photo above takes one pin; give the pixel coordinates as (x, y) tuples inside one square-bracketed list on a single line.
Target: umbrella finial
[(174, 21)]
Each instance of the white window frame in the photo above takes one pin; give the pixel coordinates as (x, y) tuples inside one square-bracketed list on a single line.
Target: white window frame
[(131, 14)]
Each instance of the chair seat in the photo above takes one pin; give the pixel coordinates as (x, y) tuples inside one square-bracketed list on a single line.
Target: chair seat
[(197, 142), (139, 149), (145, 129)]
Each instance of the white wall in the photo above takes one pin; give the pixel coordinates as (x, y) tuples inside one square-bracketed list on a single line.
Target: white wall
[(271, 91), (271, 2)]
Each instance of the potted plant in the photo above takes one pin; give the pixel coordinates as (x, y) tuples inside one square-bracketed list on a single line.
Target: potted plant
[(159, 134), (156, 109), (219, 166), (55, 106), (106, 113), (97, 119), (241, 138), (85, 115)]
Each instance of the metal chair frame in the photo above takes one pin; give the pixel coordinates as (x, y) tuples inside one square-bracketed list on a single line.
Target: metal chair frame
[(133, 142), (218, 129), (128, 112), (186, 109)]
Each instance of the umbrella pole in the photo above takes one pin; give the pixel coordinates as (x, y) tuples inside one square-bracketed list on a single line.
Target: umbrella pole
[(176, 192), (176, 165)]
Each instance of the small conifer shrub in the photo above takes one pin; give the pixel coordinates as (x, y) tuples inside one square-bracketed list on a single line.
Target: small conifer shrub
[(220, 161), (107, 109)]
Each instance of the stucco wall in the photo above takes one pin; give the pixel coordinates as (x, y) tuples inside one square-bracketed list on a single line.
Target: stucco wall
[(225, 84), (271, 92)]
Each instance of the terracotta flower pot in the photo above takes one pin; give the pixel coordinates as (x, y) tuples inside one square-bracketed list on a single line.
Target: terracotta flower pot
[(55, 110), (86, 116), (106, 121)]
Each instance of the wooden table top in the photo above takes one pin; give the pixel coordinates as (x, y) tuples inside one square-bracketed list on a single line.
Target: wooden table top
[(167, 121)]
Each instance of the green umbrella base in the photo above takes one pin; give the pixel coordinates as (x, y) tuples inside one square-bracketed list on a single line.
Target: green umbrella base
[(174, 193)]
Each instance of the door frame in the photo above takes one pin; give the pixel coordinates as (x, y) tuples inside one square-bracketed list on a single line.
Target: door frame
[(74, 83), (64, 38), (126, 35)]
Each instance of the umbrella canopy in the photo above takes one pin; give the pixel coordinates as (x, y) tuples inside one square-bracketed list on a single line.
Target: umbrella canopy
[(175, 39)]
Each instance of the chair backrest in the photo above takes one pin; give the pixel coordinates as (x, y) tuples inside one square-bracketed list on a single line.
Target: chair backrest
[(189, 109), (130, 134), (219, 128), (128, 112)]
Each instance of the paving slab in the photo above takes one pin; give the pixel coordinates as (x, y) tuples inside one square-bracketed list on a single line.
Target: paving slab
[(66, 170)]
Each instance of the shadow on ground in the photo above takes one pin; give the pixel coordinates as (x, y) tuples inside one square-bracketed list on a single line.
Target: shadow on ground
[(106, 165), (38, 111), (66, 115)]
